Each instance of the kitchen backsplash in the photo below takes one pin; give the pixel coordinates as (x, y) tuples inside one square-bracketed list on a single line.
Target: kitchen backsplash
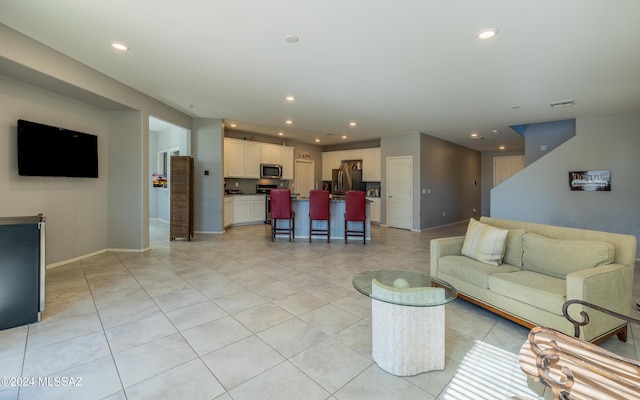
[(248, 186)]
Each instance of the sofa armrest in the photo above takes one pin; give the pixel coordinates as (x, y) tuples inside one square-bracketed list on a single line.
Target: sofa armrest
[(449, 246), (608, 286)]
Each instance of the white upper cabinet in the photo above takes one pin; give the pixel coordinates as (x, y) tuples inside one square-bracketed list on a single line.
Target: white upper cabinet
[(371, 170), (252, 152), (233, 158), (242, 158), (270, 154), (371, 165)]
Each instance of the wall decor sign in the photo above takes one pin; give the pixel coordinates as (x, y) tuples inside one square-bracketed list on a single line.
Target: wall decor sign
[(590, 181)]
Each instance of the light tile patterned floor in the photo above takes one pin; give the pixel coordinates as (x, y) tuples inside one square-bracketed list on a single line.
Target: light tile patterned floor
[(237, 317)]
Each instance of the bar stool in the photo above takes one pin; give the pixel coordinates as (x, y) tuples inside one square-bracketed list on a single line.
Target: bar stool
[(355, 211), (281, 209), (319, 211)]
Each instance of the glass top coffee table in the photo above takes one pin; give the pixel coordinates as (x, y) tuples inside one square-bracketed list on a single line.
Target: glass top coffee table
[(413, 283), (408, 325)]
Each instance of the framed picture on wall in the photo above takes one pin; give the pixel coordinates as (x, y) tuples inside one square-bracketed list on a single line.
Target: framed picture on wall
[(590, 181)]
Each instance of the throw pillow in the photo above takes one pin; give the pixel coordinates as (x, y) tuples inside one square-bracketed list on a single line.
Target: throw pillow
[(557, 257), (484, 243)]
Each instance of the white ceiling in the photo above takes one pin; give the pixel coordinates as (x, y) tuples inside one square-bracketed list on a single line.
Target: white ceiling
[(393, 67)]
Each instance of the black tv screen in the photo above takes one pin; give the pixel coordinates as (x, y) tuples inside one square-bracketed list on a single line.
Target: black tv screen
[(45, 150)]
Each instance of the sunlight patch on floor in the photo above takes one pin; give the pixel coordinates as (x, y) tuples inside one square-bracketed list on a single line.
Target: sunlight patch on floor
[(488, 373)]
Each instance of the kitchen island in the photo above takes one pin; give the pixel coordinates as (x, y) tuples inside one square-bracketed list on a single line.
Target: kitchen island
[(336, 208)]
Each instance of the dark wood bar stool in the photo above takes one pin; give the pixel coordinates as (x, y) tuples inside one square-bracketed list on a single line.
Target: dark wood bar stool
[(319, 211), (281, 210), (355, 211)]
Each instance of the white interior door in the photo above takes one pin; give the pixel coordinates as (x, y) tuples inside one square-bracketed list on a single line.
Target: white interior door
[(304, 177), (399, 200), (505, 167)]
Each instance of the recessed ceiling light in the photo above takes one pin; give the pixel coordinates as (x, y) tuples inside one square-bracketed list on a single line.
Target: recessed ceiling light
[(280, 133), (487, 33), (502, 147), (352, 124), (317, 140), (120, 46), (344, 136), (474, 134), (233, 125), (290, 98), (292, 39), (288, 122)]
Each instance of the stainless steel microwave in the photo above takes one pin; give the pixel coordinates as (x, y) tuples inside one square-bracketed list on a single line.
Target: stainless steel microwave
[(271, 171)]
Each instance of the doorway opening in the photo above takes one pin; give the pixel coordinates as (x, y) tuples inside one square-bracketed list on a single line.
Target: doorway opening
[(165, 140)]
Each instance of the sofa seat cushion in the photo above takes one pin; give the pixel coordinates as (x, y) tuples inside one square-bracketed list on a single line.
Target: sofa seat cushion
[(471, 271), (541, 291), (484, 242), (558, 258)]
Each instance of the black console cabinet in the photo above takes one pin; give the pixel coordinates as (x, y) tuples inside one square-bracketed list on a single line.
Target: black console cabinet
[(22, 270)]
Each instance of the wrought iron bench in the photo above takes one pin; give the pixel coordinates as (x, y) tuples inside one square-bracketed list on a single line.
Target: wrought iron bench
[(575, 369)]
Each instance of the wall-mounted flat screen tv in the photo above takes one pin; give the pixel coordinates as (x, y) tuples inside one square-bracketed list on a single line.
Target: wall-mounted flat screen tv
[(45, 150)]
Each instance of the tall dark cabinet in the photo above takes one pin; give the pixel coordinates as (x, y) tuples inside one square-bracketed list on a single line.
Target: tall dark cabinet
[(22, 270), (181, 182)]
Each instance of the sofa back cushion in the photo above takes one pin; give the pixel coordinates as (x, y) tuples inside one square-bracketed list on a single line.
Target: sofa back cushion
[(557, 258), (484, 242), (513, 251)]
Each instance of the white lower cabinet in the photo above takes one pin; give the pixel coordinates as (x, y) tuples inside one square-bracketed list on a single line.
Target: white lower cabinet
[(228, 211), (375, 209), (249, 209)]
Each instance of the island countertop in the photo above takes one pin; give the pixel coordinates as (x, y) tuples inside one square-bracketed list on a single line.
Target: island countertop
[(332, 200)]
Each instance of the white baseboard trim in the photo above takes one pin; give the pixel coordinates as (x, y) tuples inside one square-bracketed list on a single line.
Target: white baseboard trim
[(129, 250), (71, 260), (95, 253)]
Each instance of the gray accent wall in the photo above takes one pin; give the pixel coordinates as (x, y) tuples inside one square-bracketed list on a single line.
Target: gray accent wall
[(445, 171), (540, 193), (450, 176), (126, 184), (550, 134), (84, 216), (76, 208)]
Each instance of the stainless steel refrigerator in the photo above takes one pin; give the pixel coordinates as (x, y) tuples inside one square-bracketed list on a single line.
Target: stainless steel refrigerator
[(347, 177)]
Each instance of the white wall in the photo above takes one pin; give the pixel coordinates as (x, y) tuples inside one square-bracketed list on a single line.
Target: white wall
[(540, 193), (75, 208)]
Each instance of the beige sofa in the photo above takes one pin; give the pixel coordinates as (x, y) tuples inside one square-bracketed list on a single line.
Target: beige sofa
[(542, 267)]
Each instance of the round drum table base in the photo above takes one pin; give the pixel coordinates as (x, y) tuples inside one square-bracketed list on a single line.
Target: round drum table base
[(407, 340)]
